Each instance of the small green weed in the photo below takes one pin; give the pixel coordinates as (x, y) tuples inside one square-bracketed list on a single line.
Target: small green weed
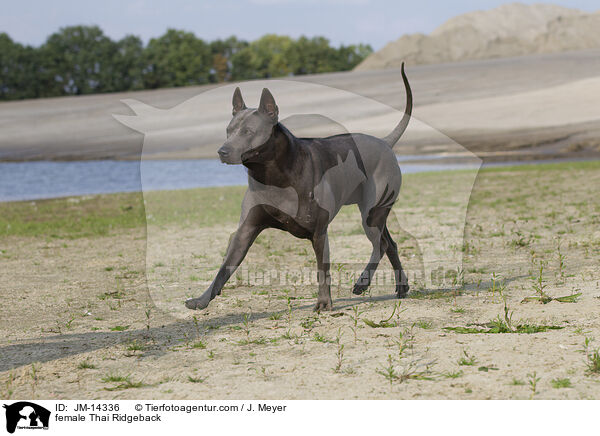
[(467, 360), (196, 379), (85, 364), (124, 382), (559, 383), (533, 380), (198, 345)]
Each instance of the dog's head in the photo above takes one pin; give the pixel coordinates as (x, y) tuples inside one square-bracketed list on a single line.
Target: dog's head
[(249, 128)]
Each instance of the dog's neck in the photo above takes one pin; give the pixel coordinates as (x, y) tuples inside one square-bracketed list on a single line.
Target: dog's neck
[(272, 162)]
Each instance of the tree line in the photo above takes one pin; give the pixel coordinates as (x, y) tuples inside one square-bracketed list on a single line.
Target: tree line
[(79, 60)]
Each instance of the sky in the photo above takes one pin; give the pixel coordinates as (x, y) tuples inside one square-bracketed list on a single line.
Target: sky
[(374, 22)]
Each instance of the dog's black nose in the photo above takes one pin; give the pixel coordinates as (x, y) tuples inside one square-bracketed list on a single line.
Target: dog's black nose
[(223, 152)]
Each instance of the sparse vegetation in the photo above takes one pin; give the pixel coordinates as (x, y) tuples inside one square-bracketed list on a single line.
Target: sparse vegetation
[(592, 356), (196, 379), (135, 346), (559, 383), (411, 370), (340, 351), (105, 310), (356, 313), (426, 325), (198, 345), (467, 360), (122, 382), (386, 323), (504, 323), (321, 338), (453, 374), (499, 326), (539, 287), (86, 364), (533, 380)]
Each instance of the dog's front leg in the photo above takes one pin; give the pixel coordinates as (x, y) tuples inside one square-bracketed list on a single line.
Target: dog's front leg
[(236, 251), (321, 246)]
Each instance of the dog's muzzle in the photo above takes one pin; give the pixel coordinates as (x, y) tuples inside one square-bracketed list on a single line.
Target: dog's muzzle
[(228, 156), (224, 154)]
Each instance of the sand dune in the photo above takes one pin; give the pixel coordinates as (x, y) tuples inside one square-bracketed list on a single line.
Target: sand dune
[(509, 30)]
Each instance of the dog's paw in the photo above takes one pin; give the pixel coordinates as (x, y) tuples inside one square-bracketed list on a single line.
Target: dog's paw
[(402, 290), (323, 305), (197, 303), (359, 288)]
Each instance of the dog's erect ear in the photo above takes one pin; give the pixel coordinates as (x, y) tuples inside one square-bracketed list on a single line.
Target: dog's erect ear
[(267, 105), (238, 101)]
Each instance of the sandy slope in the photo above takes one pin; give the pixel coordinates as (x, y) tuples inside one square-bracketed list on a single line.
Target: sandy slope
[(538, 104), (509, 30)]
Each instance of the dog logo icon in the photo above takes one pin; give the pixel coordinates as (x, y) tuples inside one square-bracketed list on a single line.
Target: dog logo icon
[(316, 165), (26, 415)]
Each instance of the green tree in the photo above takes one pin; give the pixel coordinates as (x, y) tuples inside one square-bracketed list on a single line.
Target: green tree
[(177, 58), (82, 60), (349, 56), (310, 56), (263, 58), (129, 64), (17, 70), (79, 60), (222, 51)]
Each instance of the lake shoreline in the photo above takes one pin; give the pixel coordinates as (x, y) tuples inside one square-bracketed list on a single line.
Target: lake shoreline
[(39, 180)]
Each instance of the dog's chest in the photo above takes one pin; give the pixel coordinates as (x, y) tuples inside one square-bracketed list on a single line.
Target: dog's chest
[(290, 211), (301, 225)]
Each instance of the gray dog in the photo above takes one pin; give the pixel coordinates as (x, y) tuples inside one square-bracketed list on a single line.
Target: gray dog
[(299, 185)]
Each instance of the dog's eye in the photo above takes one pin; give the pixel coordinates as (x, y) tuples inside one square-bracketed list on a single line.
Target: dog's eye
[(246, 131)]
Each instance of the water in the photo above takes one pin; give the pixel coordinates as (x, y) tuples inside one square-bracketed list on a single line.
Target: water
[(44, 179)]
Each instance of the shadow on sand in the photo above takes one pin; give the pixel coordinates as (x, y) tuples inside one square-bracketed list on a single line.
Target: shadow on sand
[(66, 345)]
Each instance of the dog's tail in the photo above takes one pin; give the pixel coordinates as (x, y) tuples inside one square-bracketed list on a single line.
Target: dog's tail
[(393, 137)]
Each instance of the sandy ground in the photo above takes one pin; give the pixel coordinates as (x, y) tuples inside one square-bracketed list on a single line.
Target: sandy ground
[(64, 301), (538, 105)]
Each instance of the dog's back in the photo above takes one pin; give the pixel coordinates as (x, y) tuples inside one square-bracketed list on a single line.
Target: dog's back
[(352, 168)]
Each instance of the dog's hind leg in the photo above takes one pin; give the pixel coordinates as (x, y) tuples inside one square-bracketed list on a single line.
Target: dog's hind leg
[(402, 287), (373, 224)]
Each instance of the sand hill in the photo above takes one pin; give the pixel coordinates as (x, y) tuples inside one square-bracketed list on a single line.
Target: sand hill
[(510, 30)]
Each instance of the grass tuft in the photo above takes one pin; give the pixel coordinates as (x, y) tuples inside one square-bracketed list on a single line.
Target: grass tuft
[(498, 326), (559, 383), (198, 345), (467, 360), (196, 379), (85, 364), (124, 382)]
